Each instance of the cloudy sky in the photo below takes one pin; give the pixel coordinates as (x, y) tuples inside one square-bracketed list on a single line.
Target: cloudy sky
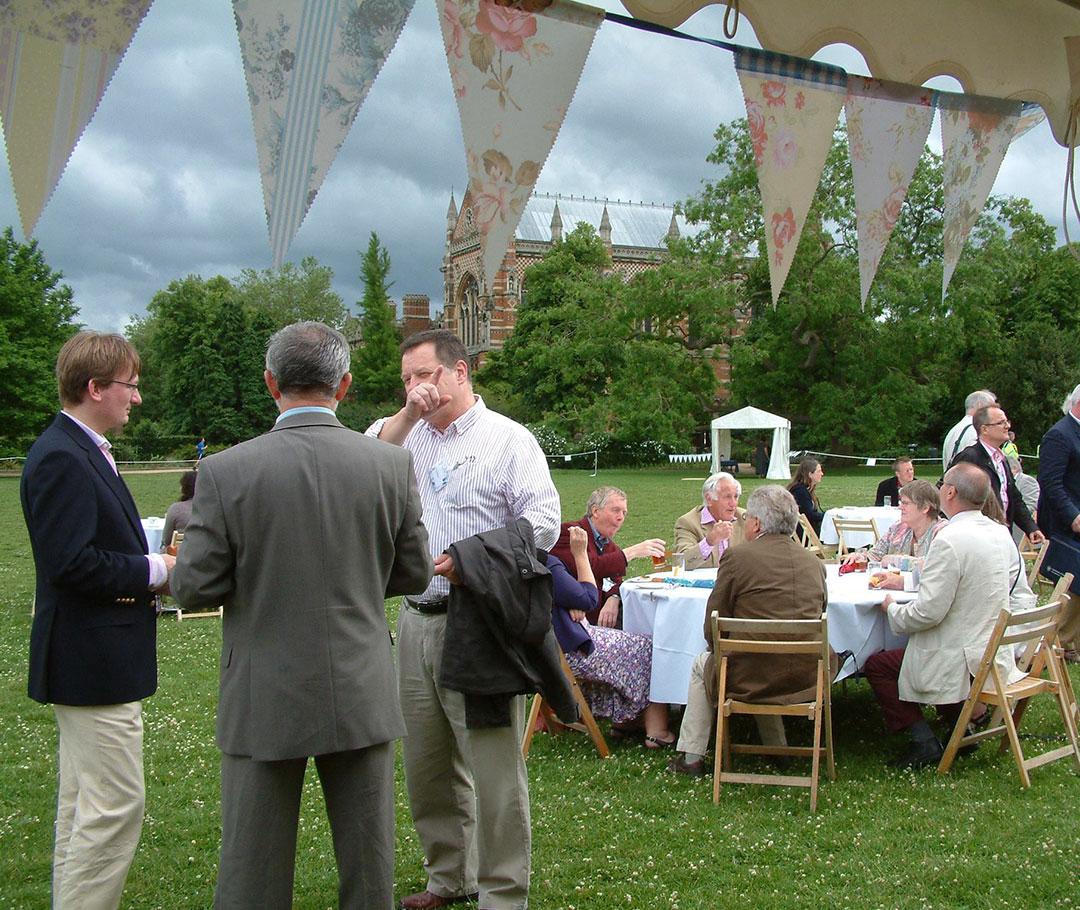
[(165, 181)]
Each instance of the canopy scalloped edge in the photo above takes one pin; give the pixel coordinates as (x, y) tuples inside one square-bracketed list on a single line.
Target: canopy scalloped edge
[(1027, 50)]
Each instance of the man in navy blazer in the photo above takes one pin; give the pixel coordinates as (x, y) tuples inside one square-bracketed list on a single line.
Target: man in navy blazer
[(93, 638), (1059, 504), (992, 429)]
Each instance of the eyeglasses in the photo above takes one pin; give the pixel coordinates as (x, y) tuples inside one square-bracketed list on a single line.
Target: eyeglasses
[(134, 386), (998, 423)]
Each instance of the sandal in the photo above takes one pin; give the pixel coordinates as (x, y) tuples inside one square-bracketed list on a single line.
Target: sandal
[(654, 742)]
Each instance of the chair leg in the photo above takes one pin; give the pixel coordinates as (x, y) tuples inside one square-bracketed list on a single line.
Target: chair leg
[(720, 744), (530, 725), (958, 731), (815, 761), (830, 760)]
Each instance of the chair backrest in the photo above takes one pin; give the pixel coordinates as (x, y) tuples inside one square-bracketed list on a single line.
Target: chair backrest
[(809, 539), (1035, 630), (1026, 655), (1027, 549), (853, 526), (1033, 573), (741, 636)]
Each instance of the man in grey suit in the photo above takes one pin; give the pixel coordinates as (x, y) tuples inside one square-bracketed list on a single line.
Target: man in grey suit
[(301, 533)]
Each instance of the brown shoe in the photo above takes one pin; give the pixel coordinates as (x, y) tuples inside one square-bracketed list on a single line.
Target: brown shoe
[(426, 900), (679, 765)]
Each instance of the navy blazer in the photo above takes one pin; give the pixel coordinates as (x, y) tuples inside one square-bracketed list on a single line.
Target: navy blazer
[(1059, 478), (93, 639), (1017, 513)]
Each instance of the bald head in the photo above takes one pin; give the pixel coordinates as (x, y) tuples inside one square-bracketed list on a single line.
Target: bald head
[(964, 487)]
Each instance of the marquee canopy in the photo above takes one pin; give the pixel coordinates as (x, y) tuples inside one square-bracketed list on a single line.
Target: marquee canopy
[(1027, 50), (750, 418)]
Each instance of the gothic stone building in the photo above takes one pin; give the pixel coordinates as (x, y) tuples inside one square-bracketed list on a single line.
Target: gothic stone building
[(634, 233)]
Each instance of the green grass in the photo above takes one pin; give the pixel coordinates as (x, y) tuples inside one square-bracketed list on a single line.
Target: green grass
[(616, 833)]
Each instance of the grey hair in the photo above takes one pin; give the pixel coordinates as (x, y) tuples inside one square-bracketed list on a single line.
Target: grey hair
[(599, 497), (307, 357), (972, 483), (1071, 400), (923, 495), (775, 509), (714, 480), (980, 398)]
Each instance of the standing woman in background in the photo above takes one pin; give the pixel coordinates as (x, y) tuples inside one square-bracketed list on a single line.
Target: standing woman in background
[(807, 477)]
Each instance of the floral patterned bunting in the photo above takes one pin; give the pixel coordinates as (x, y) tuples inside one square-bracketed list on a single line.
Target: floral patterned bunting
[(887, 125), (791, 110), (514, 66), (56, 60), (975, 134), (309, 65)]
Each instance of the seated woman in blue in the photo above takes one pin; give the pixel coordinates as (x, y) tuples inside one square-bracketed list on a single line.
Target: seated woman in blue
[(613, 667), (807, 477)]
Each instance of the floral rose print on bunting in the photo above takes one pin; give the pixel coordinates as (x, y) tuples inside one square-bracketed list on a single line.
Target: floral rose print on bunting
[(783, 232)]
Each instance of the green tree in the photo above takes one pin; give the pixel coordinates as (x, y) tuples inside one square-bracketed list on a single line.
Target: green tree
[(376, 365), (579, 359), (36, 317), (292, 294)]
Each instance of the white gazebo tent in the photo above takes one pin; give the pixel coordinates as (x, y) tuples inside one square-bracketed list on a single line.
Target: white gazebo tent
[(750, 418)]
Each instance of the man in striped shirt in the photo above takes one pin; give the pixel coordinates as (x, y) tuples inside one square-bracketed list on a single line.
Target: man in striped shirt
[(468, 789)]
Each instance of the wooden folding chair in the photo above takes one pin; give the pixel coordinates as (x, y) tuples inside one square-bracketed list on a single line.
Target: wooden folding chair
[(1034, 627), (809, 539), (853, 526), (1028, 550), (1034, 578), (757, 636), (541, 708)]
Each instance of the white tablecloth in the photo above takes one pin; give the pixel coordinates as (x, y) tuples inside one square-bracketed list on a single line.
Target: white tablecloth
[(153, 527), (675, 617), (885, 516)]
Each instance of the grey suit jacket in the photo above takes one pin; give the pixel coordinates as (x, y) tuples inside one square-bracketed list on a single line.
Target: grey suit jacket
[(301, 533)]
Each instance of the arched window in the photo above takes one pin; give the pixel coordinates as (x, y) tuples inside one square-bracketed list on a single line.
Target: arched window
[(469, 307)]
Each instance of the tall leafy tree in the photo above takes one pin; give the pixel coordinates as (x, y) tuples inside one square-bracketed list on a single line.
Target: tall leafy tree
[(376, 365), (36, 317), (293, 293)]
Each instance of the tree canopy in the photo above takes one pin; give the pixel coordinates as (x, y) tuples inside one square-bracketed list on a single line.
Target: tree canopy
[(376, 365), (37, 316)]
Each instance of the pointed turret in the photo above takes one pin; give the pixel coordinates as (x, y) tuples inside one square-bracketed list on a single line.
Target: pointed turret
[(556, 224), (605, 228), (673, 228)]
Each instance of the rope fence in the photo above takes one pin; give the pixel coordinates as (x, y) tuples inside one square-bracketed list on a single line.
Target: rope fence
[(572, 455)]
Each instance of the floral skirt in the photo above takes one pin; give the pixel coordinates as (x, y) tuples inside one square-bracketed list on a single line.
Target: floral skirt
[(615, 677)]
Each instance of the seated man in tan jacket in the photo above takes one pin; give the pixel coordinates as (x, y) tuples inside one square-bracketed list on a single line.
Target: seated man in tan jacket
[(704, 533), (769, 576)]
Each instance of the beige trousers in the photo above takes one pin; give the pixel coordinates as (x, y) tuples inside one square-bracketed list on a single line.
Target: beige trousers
[(1069, 629), (468, 789), (99, 806), (696, 732)]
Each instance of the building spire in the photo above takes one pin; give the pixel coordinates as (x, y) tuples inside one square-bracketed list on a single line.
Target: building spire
[(605, 228), (673, 228), (556, 224)]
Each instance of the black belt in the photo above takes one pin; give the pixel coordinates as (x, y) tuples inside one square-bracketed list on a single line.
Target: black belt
[(428, 607)]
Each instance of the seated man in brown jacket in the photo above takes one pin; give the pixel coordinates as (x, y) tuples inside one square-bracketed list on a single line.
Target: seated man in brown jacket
[(704, 533), (770, 576)]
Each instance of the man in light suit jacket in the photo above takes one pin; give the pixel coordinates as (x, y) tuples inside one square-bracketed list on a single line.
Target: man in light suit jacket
[(1059, 505), (301, 533), (971, 574), (93, 640), (704, 533)]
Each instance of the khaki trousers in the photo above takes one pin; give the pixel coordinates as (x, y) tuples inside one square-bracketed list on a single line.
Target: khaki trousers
[(468, 789), (99, 806), (696, 732)]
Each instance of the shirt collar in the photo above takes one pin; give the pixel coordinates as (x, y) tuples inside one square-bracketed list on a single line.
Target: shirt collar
[(966, 515), (95, 437), (598, 539), (463, 423), (707, 517), (995, 454), (306, 409)]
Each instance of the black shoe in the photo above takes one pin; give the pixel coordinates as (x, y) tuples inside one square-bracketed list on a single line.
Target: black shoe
[(973, 727), (679, 765), (920, 755)]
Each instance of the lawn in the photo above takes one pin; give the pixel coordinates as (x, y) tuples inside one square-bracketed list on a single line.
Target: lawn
[(616, 833)]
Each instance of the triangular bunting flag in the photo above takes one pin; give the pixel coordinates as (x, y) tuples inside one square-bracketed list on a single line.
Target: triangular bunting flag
[(56, 60), (887, 126), (309, 65), (514, 68), (1031, 115), (791, 110), (975, 134)]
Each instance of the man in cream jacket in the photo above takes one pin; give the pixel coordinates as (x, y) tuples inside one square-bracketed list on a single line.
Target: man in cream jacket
[(972, 572)]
